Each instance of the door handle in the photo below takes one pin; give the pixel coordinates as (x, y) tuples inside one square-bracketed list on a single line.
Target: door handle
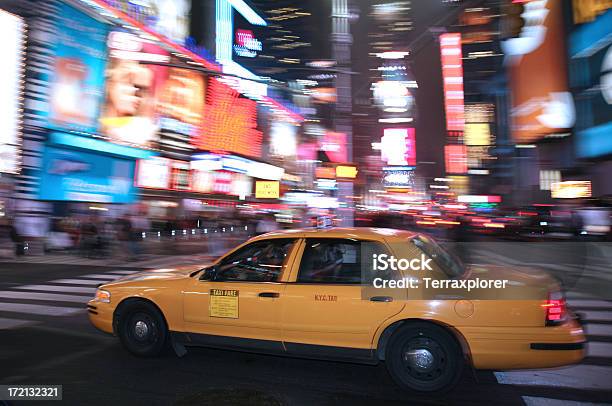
[(381, 299), (269, 294)]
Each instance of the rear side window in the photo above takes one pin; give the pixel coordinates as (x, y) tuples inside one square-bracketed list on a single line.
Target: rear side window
[(338, 261)]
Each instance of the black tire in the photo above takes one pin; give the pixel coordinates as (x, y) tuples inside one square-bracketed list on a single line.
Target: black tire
[(424, 357), (142, 329)]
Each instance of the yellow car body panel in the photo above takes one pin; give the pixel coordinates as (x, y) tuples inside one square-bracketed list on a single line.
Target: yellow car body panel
[(496, 333)]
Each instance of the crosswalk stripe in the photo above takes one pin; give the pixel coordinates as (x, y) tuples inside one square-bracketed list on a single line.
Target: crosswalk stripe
[(41, 310), (100, 276), (79, 281), (42, 296), (123, 272), (577, 377), (597, 349), (599, 329), (7, 324), (538, 401), (589, 303), (56, 288), (596, 315)]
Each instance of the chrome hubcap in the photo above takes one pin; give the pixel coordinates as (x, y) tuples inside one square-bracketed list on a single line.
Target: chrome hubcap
[(141, 329), (421, 359)]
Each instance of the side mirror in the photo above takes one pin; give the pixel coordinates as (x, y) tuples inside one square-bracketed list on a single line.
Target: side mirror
[(209, 274)]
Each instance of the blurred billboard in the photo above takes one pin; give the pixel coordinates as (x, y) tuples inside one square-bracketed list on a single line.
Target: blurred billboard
[(231, 123), (541, 103), (12, 31), (129, 115), (77, 84), (169, 18), (79, 175)]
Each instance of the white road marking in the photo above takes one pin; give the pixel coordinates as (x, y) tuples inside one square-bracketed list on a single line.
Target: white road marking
[(78, 281), (577, 377), (599, 329), (596, 315), (537, 401), (589, 303), (56, 288), (39, 309), (599, 349), (104, 277), (123, 272), (43, 296), (8, 324)]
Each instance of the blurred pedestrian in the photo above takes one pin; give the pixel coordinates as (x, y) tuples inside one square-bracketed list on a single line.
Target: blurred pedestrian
[(8, 238), (266, 224)]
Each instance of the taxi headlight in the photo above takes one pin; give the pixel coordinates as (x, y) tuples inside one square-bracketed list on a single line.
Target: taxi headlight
[(103, 296)]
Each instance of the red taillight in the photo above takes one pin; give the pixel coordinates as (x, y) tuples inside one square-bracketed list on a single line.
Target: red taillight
[(555, 309)]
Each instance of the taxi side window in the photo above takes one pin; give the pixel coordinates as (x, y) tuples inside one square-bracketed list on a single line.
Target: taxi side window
[(261, 261), (341, 261)]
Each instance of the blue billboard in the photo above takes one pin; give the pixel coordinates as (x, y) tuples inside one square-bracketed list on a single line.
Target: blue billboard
[(77, 82), (591, 79), (83, 176)]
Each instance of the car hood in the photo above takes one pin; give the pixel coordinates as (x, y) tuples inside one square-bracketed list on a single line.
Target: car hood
[(163, 273)]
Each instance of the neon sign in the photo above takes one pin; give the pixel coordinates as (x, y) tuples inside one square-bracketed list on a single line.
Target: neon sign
[(246, 44), (231, 123), (452, 74)]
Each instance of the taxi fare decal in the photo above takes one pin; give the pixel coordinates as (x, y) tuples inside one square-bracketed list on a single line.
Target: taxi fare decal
[(224, 303), (326, 298)]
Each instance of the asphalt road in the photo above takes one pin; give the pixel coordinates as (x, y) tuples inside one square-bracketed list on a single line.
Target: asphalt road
[(47, 339)]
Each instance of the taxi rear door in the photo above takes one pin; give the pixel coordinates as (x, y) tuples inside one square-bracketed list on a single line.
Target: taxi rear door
[(323, 305)]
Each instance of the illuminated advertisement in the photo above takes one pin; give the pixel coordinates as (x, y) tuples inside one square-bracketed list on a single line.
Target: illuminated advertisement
[(231, 123), (346, 172), (283, 139), (12, 29), (130, 115), (77, 84), (221, 182), (398, 177), (153, 173), (333, 144), (455, 158), (477, 134), (267, 189), (169, 18), (591, 77), (587, 10), (541, 103), (181, 102), (571, 189), (231, 16), (231, 163), (246, 45), (180, 176), (398, 146), (78, 175), (452, 76)]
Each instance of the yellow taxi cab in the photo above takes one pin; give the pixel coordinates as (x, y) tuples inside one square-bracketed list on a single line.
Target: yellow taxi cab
[(329, 294)]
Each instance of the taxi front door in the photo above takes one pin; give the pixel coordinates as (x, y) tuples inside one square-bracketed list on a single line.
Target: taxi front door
[(242, 299)]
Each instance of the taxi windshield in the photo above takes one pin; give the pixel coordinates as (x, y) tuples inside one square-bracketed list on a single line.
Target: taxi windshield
[(449, 263)]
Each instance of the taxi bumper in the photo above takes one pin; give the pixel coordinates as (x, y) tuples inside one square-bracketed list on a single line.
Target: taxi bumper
[(101, 315), (526, 347)]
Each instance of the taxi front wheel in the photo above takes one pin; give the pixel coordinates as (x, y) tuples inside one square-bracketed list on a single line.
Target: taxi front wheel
[(142, 329), (424, 357)]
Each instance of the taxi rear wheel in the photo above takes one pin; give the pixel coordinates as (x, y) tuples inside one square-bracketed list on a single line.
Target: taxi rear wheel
[(424, 357), (142, 329)]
